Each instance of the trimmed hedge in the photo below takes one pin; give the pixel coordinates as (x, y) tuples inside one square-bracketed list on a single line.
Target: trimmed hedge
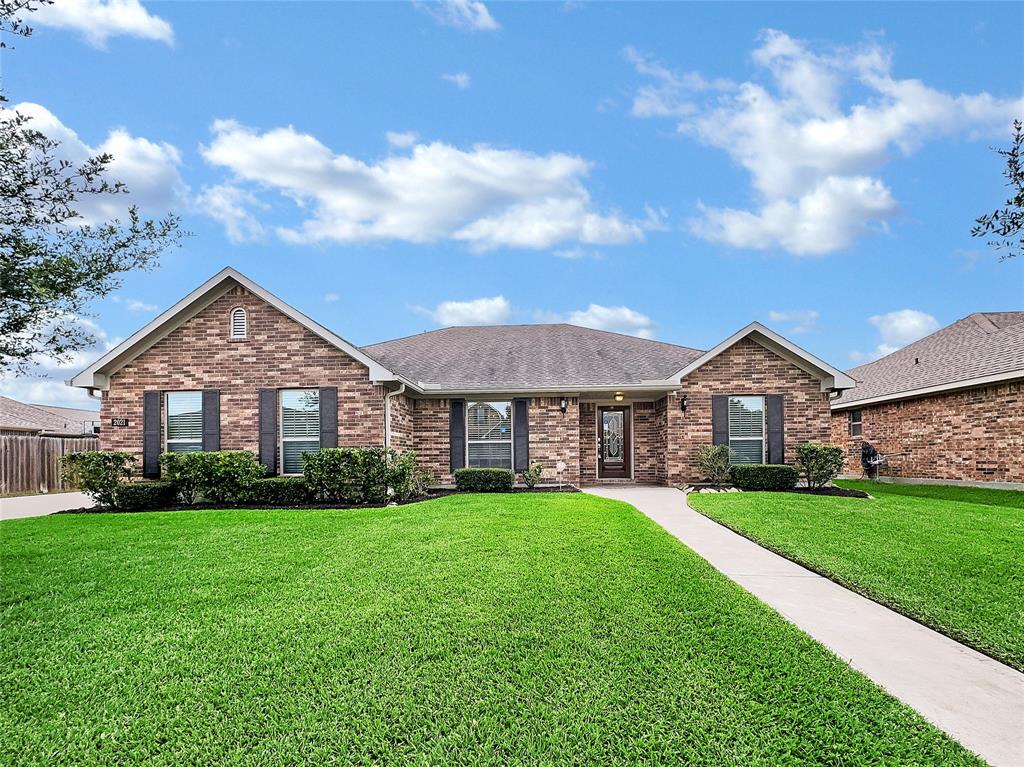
[(363, 475), (485, 480), (764, 476), (140, 496), (278, 491), (222, 476), (820, 463), (96, 473)]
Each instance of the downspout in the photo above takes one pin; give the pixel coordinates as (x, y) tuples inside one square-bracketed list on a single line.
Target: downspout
[(387, 413)]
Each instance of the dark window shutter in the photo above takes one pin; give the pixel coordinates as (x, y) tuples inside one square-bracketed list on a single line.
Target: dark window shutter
[(328, 416), (151, 434), (457, 433), (521, 433), (775, 417), (211, 420), (268, 429), (720, 419)]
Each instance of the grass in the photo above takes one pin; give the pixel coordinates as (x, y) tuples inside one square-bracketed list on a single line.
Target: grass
[(949, 557), (483, 630)]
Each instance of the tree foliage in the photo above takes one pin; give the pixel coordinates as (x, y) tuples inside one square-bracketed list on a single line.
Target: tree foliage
[(1006, 225), (53, 261)]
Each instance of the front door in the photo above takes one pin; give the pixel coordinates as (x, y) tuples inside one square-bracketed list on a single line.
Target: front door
[(614, 447)]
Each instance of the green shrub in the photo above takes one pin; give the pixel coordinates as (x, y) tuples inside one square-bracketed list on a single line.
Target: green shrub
[(222, 476), (485, 480), (363, 475), (820, 463), (533, 475), (139, 496), (764, 476), (184, 481), (713, 463), (277, 491), (96, 473)]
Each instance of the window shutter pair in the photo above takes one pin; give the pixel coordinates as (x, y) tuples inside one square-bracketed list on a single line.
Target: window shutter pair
[(520, 433), (774, 419), (152, 424), (328, 397)]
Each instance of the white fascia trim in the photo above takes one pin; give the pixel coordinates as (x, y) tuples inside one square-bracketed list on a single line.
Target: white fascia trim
[(967, 383), (831, 378), (570, 391), (97, 375)]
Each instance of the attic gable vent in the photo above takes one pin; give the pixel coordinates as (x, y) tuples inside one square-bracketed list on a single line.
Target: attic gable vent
[(239, 323)]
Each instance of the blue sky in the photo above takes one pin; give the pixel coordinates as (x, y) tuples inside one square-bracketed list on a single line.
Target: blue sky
[(669, 170)]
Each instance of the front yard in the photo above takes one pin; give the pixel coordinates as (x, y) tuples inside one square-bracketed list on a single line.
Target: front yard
[(950, 557), (492, 630)]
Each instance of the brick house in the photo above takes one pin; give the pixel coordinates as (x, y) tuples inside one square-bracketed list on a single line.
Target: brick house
[(233, 367), (946, 408)]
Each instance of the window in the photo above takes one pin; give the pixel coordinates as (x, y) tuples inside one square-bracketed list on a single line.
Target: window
[(184, 421), (855, 423), (489, 435), (746, 429), (239, 323), (300, 427)]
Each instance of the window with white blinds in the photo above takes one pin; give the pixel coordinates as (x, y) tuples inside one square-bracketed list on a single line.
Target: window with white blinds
[(183, 421), (489, 435), (746, 429), (300, 427), (239, 323)]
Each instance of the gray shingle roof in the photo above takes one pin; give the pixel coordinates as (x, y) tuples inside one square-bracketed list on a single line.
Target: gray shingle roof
[(46, 419), (514, 357), (981, 344)]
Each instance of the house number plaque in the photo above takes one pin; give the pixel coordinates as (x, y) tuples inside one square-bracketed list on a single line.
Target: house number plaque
[(118, 421)]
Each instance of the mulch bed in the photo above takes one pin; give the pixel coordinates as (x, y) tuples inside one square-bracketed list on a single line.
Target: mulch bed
[(439, 493), (840, 492)]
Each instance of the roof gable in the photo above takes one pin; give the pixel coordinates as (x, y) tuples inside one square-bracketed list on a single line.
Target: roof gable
[(97, 375), (830, 377)]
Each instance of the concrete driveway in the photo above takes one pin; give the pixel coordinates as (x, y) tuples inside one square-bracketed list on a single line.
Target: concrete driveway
[(41, 505), (976, 700)]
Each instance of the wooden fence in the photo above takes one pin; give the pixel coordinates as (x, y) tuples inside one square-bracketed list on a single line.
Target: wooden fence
[(32, 464)]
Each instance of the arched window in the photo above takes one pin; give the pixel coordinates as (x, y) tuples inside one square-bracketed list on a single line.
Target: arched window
[(239, 323)]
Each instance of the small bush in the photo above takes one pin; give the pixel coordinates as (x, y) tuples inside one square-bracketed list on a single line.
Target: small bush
[(713, 463), (221, 476), (485, 480), (139, 496), (184, 481), (277, 491), (533, 475), (97, 474), (405, 479), (820, 463), (364, 475), (764, 476)]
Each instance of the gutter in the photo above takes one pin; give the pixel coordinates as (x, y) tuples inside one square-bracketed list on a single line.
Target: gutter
[(387, 413)]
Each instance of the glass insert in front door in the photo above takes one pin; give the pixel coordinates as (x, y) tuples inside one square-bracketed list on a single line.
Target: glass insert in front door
[(613, 443)]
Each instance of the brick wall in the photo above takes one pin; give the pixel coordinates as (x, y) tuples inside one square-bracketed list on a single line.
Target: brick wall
[(555, 436), (277, 353), (588, 442), (745, 368), (973, 435), (430, 429), (402, 426), (648, 442)]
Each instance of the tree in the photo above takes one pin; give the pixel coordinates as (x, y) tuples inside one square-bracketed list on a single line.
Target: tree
[(53, 262), (1006, 224)]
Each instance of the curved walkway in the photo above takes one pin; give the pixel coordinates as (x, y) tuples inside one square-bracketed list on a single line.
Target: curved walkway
[(19, 506), (976, 700)]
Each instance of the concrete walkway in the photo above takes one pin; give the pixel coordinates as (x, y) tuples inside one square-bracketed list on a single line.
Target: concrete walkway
[(41, 505), (976, 700)]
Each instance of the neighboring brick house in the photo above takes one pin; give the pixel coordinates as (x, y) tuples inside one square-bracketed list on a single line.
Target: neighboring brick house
[(233, 367), (949, 407)]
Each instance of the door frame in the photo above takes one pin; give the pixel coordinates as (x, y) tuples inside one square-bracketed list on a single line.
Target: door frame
[(598, 427)]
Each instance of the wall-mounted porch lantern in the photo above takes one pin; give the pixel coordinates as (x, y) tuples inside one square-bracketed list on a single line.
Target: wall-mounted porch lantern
[(619, 396), (564, 404), (682, 403)]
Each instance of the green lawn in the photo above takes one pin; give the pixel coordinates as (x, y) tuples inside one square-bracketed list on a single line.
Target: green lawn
[(950, 557), (492, 630)]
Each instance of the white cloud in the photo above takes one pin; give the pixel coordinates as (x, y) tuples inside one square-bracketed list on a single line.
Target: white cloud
[(579, 254), (331, 297), (896, 330), (460, 80), (99, 20), (148, 169), (482, 196), (812, 157), (134, 304), (479, 311), (402, 140), (799, 320), (470, 15), (231, 205), (46, 391), (617, 319)]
